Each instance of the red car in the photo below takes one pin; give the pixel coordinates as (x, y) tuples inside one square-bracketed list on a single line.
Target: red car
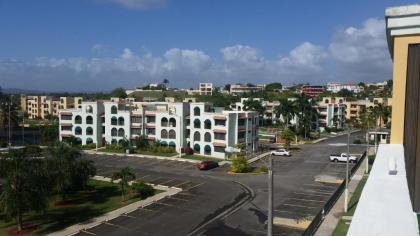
[(207, 165)]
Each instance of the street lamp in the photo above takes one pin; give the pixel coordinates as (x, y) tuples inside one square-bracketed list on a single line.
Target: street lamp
[(346, 191)]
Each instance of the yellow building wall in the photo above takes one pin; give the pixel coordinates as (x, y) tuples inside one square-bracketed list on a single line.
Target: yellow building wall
[(399, 76)]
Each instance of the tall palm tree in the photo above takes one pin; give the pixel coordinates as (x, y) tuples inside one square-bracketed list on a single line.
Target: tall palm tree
[(255, 105), (286, 109), (26, 186), (125, 175)]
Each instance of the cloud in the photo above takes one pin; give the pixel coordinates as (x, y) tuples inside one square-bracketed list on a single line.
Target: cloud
[(137, 4), (354, 54)]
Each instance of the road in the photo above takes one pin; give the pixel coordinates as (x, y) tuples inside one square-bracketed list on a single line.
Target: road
[(216, 203)]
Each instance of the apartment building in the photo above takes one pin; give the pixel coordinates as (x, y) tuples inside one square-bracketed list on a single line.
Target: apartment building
[(354, 108), (331, 112), (206, 88), (205, 129), (312, 90), (336, 87), (42, 107), (236, 89)]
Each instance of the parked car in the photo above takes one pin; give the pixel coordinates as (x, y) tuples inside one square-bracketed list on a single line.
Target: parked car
[(280, 152), (207, 165), (342, 158)]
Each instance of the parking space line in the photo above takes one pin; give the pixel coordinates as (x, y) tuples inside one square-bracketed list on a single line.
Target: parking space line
[(186, 182), (165, 182), (115, 225), (180, 199), (143, 177), (154, 179), (133, 217), (195, 186), (185, 193), (302, 199)]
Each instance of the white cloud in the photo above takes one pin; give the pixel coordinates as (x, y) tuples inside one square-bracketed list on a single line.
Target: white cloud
[(354, 54), (137, 4)]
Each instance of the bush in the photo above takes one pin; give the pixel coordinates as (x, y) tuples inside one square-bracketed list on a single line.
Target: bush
[(3, 143), (264, 169), (240, 165), (114, 147), (143, 190), (88, 146), (371, 159), (33, 151)]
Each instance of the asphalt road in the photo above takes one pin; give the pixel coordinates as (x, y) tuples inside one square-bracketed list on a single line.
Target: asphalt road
[(215, 203)]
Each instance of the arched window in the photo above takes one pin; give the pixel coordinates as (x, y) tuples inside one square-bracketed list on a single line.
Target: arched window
[(207, 150), (207, 137), (172, 122), (89, 131), (164, 122), (327, 101), (197, 136), (78, 130), (89, 140), (121, 121), (172, 144), (78, 120), (196, 111), (121, 132), (114, 110), (78, 141), (207, 124), (163, 133), (172, 134), (340, 101), (197, 123), (89, 109), (114, 120), (114, 141), (197, 148), (114, 132), (89, 120)]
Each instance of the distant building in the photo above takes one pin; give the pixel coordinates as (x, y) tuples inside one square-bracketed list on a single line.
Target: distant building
[(331, 112), (236, 89), (336, 87), (312, 90), (42, 107), (206, 88)]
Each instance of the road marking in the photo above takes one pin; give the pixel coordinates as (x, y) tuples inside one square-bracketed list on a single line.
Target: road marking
[(87, 232), (293, 205), (115, 225), (154, 179), (165, 182), (311, 194), (180, 199), (186, 182), (321, 186), (133, 217), (195, 186), (144, 177), (165, 204)]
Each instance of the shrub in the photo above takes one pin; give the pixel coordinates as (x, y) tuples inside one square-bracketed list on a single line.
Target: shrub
[(114, 147), (371, 159), (263, 169), (33, 151), (240, 165), (3, 143), (143, 190), (89, 146)]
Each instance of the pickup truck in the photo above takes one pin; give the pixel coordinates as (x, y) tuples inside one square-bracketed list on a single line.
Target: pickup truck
[(280, 152), (342, 158)]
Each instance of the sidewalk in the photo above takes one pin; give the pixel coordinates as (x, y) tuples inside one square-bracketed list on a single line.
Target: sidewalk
[(254, 159), (74, 229), (330, 221)]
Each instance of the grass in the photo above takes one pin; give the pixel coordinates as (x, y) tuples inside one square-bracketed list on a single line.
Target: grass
[(99, 198), (155, 153), (343, 225), (201, 158)]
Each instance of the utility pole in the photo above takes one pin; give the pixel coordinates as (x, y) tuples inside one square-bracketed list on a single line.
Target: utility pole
[(270, 197), (10, 130), (346, 191), (367, 148), (23, 128)]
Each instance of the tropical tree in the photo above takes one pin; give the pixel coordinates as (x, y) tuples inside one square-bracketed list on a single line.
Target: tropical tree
[(49, 134), (288, 135), (286, 109), (125, 175), (6, 105), (255, 105), (26, 185), (119, 93)]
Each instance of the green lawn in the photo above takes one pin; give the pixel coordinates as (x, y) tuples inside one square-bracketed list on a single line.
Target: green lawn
[(343, 225), (101, 197), (201, 158), (156, 153)]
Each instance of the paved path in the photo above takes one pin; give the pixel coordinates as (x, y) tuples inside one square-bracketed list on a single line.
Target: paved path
[(74, 229), (173, 158), (333, 217)]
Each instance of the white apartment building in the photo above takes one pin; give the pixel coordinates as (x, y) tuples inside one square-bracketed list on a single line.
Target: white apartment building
[(206, 88), (206, 130), (236, 89), (331, 112), (336, 87)]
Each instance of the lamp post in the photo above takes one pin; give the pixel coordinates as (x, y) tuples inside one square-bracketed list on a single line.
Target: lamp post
[(270, 197), (346, 191)]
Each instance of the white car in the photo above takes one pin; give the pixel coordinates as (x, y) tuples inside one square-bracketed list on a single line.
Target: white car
[(280, 152)]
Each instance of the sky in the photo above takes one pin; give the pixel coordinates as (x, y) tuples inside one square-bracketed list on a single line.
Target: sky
[(97, 45)]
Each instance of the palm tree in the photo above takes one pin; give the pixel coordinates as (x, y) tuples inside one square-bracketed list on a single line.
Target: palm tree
[(287, 109), (26, 186), (125, 175), (255, 105)]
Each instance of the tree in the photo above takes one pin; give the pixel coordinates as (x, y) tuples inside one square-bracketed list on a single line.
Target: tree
[(6, 104), (119, 93), (165, 82), (273, 87), (287, 109), (49, 134), (255, 105), (288, 135), (239, 165), (227, 87), (125, 175), (345, 93), (25, 187)]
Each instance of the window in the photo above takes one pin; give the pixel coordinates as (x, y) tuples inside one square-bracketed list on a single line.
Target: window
[(220, 122), (135, 131), (164, 122), (113, 141), (114, 132), (89, 131), (89, 140), (172, 134), (114, 120), (121, 132), (66, 128), (207, 137), (207, 150), (135, 119), (163, 133), (197, 136), (220, 136), (197, 148), (89, 120), (151, 131), (196, 111), (172, 122), (241, 135), (241, 122), (114, 110), (172, 144), (197, 124), (78, 130), (65, 117), (207, 124), (89, 109), (121, 121), (78, 120)]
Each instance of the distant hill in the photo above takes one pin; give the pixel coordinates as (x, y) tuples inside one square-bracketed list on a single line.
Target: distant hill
[(20, 91)]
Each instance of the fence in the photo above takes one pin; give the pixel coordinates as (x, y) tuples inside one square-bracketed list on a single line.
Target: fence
[(317, 220)]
